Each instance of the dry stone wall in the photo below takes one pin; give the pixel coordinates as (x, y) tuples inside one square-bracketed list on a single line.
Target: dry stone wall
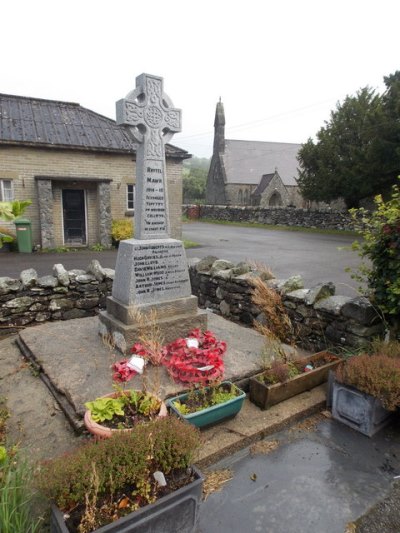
[(285, 216), (321, 318), (63, 295)]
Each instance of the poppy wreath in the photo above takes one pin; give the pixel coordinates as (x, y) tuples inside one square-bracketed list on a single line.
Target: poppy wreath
[(202, 364)]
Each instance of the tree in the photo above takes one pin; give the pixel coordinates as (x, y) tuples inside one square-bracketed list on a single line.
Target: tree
[(195, 179), (357, 152)]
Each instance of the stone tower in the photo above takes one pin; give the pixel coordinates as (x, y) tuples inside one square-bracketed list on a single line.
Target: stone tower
[(215, 188)]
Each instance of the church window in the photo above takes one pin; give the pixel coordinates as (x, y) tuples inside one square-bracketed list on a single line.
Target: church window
[(240, 196)]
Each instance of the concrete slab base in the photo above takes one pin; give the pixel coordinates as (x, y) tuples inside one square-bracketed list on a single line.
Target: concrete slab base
[(75, 364)]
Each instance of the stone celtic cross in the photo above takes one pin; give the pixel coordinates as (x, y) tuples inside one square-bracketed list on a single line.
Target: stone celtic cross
[(153, 121)]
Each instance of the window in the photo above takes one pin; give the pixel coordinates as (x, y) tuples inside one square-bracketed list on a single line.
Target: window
[(6, 191), (130, 196)]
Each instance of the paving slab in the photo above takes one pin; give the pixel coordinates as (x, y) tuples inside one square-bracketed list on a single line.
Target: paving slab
[(75, 364)]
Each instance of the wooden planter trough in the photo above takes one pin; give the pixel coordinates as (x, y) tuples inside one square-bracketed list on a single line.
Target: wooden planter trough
[(265, 396)]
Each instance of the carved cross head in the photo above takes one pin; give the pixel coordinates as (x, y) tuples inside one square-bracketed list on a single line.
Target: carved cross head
[(149, 111)]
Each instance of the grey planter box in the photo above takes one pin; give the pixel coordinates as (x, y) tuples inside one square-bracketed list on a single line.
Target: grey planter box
[(175, 512), (358, 410)]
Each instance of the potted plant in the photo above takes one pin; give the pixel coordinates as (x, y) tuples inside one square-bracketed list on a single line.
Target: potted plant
[(137, 481), (206, 406), (197, 360), (366, 392), (6, 239), (284, 379), (121, 410)]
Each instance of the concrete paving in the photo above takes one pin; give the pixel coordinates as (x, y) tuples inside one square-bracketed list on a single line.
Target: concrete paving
[(317, 478)]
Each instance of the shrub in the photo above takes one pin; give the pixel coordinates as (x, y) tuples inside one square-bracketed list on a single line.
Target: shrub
[(381, 245), (278, 324), (377, 375), (122, 229), (125, 459)]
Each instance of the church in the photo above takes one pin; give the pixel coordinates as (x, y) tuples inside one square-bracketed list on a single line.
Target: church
[(252, 172)]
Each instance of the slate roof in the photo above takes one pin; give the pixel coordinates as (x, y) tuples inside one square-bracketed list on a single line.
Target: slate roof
[(264, 182), (246, 161), (50, 123)]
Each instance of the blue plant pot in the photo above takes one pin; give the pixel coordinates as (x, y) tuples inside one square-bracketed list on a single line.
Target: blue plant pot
[(210, 415)]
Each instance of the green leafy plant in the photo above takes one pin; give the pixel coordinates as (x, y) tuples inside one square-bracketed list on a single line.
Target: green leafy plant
[(204, 397), (11, 210), (97, 247), (6, 236), (380, 231), (120, 470), (127, 404), (103, 409), (377, 375)]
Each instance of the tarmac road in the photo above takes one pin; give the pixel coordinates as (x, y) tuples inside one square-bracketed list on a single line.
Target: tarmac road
[(316, 257)]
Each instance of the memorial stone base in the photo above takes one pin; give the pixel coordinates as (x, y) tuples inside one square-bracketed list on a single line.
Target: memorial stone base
[(172, 325), (152, 279)]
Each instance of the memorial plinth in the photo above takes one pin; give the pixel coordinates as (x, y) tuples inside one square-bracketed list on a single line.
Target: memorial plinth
[(151, 274)]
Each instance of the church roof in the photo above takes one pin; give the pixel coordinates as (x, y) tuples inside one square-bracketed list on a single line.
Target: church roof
[(53, 124), (246, 161), (264, 182)]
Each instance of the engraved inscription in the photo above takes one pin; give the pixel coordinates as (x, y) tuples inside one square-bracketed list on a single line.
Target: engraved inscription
[(158, 268), (149, 110)]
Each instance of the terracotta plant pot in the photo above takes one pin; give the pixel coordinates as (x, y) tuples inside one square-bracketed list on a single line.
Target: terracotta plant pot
[(103, 431)]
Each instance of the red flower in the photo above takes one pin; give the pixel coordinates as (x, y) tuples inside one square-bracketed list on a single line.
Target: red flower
[(122, 372)]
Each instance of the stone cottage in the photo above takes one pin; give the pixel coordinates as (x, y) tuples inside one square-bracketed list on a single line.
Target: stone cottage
[(77, 167), (251, 172)]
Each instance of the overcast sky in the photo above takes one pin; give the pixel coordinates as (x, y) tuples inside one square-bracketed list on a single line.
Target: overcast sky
[(279, 67)]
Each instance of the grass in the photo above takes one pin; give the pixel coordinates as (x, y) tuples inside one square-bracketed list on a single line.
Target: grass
[(16, 495), (190, 244), (273, 227)]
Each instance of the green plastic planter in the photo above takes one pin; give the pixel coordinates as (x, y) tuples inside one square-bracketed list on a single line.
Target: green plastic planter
[(211, 415)]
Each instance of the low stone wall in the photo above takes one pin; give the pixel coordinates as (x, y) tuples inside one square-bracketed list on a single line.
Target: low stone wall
[(285, 216), (63, 295), (321, 318)]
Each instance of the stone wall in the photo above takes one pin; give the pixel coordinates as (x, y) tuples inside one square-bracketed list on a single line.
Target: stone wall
[(321, 318), (286, 216), (63, 295)]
